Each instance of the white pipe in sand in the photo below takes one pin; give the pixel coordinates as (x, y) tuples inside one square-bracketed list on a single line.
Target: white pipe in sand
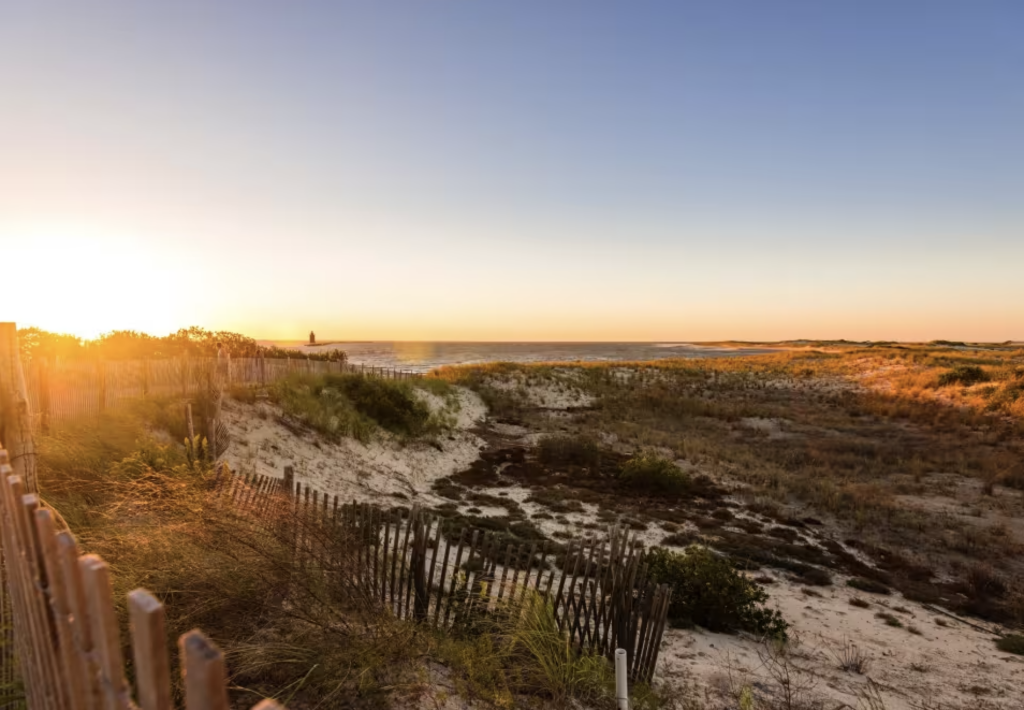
[(621, 678)]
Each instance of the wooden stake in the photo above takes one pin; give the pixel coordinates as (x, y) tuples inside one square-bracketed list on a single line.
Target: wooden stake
[(204, 673), (149, 643), (96, 575), (15, 415)]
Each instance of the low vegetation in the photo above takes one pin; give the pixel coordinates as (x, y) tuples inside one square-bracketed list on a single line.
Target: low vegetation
[(867, 585), (576, 450), (965, 375), (135, 496), (889, 619), (1013, 643), (339, 405), (851, 658), (709, 592), (847, 458), (133, 345), (906, 459), (649, 473)]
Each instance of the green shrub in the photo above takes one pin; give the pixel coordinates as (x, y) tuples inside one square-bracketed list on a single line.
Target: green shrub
[(709, 592), (353, 405), (648, 473), (565, 449), (963, 375), (389, 403), (1014, 643)]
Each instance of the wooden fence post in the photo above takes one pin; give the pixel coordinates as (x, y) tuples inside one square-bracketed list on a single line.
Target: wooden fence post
[(105, 633), (204, 673), (45, 409), (15, 416), (101, 371), (149, 643), (184, 374)]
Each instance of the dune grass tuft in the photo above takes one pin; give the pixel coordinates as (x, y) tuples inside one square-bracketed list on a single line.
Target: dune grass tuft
[(356, 406), (650, 473)]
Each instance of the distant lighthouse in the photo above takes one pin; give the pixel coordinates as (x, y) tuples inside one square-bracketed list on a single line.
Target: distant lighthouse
[(312, 338)]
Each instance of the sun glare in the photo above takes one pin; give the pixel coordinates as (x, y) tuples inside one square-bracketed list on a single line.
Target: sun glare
[(87, 286)]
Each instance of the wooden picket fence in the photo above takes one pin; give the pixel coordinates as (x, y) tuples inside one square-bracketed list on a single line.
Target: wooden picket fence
[(62, 390), (66, 634), (438, 571)]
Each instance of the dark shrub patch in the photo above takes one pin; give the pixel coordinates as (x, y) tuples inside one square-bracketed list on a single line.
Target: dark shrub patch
[(815, 576), (889, 619), (573, 450), (867, 585), (647, 473), (555, 499), (963, 375), (751, 526), (709, 592), (787, 534), (680, 539), (445, 488), (1014, 643)]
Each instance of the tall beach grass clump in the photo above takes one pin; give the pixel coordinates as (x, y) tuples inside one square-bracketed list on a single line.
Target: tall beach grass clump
[(649, 473), (339, 405)]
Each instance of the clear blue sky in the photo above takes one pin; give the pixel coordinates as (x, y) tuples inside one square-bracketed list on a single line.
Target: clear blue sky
[(517, 170)]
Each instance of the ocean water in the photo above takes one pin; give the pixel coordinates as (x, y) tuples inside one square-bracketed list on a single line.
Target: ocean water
[(424, 356)]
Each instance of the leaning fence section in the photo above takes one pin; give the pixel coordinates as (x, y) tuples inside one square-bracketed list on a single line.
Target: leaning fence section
[(66, 635), (62, 390), (422, 566)]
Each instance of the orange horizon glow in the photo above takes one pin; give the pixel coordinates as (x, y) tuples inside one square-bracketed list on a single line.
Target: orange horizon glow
[(89, 284)]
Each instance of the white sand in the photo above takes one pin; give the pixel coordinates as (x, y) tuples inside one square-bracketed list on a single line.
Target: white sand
[(939, 668), (260, 443)]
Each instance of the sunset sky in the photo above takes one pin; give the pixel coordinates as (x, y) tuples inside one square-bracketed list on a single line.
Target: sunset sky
[(527, 170)]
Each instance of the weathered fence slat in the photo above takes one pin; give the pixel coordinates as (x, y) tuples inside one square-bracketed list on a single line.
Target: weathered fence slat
[(205, 676), (152, 667)]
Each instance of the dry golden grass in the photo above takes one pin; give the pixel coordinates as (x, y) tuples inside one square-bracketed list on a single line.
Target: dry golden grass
[(302, 633)]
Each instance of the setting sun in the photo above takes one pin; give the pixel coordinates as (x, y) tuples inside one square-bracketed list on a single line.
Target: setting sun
[(88, 284)]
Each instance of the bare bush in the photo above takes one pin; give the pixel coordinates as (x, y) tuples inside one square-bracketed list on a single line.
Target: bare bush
[(851, 658)]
